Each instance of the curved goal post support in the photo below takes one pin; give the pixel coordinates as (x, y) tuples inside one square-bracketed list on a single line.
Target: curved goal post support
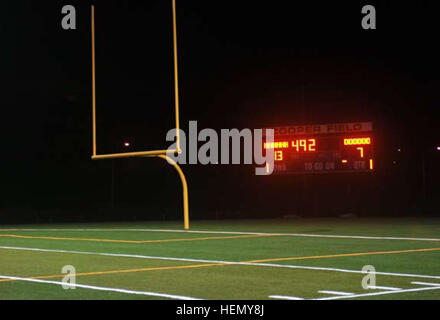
[(184, 188)]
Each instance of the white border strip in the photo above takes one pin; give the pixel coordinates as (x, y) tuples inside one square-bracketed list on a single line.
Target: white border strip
[(221, 262), (230, 232), (76, 285)]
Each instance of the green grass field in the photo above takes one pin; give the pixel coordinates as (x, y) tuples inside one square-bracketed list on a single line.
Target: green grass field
[(258, 259)]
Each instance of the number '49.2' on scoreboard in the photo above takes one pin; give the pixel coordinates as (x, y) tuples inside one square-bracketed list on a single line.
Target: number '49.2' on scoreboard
[(341, 147)]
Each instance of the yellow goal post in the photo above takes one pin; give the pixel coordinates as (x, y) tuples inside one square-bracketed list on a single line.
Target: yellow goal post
[(150, 153)]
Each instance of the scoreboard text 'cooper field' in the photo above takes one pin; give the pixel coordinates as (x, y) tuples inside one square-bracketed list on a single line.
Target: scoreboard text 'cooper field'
[(324, 148)]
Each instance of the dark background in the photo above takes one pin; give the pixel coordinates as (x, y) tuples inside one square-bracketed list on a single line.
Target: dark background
[(242, 64)]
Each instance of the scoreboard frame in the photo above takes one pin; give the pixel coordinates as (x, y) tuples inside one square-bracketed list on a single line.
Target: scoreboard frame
[(323, 148)]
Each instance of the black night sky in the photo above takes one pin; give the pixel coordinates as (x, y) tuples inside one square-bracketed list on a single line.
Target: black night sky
[(242, 64)]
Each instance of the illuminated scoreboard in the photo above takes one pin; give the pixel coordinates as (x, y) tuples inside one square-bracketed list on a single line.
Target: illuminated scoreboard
[(341, 147)]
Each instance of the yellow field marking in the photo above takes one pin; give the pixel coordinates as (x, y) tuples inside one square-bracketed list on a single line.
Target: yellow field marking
[(344, 255), (134, 241), (121, 271), (211, 238), (225, 263), (60, 238)]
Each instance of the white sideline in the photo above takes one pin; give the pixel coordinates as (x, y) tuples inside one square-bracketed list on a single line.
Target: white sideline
[(232, 232), (285, 297), (145, 293), (426, 283), (221, 262), (384, 288), (338, 293), (378, 293)]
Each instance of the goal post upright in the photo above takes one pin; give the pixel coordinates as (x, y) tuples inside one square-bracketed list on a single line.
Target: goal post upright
[(151, 153), (93, 83), (176, 77)]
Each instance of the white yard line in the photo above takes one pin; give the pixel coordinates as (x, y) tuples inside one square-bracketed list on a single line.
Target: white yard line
[(337, 293), (231, 232), (145, 293), (384, 288), (426, 283), (220, 262), (378, 293), (285, 297)]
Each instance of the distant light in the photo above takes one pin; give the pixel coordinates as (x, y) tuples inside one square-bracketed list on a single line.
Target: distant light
[(126, 144), (344, 161), (438, 148), (394, 162), (399, 150)]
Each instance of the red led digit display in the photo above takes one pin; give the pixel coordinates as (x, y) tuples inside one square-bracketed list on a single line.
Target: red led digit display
[(298, 145), (344, 147)]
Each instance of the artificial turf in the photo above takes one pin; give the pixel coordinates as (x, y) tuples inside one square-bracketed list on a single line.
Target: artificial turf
[(208, 280)]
